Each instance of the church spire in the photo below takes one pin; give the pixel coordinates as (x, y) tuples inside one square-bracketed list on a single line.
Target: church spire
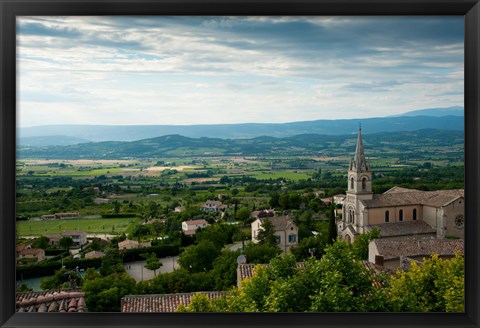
[(359, 162)]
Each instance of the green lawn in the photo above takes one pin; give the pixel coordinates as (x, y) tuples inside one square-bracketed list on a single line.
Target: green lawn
[(36, 228)]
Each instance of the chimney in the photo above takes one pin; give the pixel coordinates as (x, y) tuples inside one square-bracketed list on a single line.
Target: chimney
[(379, 260)]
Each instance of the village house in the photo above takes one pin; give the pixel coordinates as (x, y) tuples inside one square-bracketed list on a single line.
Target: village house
[(190, 227), (286, 231), (339, 199), (262, 213), (94, 255), (25, 253), (130, 244), (179, 209), (79, 238), (213, 206), (395, 210), (391, 253)]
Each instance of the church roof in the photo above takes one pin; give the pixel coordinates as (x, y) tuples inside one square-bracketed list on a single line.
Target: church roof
[(393, 249), (395, 229), (402, 196)]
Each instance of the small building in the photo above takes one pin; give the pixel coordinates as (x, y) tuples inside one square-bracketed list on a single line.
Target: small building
[(99, 200), (130, 244), (391, 253), (79, 237), (339, 199), (190, 227), (29, 254), (179, 209), (161, 303), (286, 231), (327, 201), (262, 213), (94, 255), (213, 206)]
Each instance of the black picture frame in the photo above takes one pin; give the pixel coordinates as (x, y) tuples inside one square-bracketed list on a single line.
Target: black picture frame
[(470, 9)]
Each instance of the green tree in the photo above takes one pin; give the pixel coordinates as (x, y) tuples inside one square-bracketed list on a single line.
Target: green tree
[(140, 230), (436, 285), (224, 270), (260, 253), (116, 207), (153, 262), (41, 242), (332, 226), (360, 245), (200, 257), (63, 278), (65, 242), (104, 294), (266, 233), (243, 214), (111, 263), (199, 303)]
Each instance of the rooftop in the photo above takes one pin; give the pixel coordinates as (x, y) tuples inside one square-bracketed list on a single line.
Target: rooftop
[(54, 300), (393, 249), (401, 196), (404, 228), (161, 302)]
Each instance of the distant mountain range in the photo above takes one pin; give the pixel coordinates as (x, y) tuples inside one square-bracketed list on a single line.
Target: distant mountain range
[(451, 118), (418, 143)]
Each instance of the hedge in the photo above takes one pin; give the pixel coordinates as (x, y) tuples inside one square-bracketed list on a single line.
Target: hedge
[(134, 254), (48, 267)]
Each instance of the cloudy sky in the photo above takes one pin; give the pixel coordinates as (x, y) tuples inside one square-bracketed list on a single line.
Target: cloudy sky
[(203, 70)]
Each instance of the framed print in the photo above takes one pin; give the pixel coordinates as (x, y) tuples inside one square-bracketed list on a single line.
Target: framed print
[(202, 163)]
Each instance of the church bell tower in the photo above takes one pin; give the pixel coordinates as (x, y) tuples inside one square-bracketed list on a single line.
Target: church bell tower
[(359, 188)]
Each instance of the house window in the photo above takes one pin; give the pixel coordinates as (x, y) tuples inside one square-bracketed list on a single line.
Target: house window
[(414, 214), (387, 216), (278, 239), (364, 183), (400, 215), (351, 183), (292, 238)]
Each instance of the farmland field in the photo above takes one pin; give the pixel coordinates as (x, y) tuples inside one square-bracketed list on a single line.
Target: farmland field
[(37, 228)]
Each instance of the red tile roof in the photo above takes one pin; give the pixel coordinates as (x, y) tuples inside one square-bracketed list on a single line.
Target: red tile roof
[(54, 300), (161, 302)]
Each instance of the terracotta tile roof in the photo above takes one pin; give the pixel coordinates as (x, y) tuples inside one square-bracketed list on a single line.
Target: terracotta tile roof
[(196, 222), (161, 302), (393, 249), (94, 255), (374, 270), (54, 300), (394, 229), (402, 196), (279, 222), (247, 270), (399, 189), (32, 251)]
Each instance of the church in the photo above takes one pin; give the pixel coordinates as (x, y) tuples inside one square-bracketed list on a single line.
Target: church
[(399, 213)]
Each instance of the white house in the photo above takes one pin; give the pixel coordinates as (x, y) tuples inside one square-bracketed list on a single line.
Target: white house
[(286, 231), (190, 227)]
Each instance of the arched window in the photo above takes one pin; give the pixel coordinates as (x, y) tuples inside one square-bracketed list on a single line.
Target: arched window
[(364, 183), (351, 215), (400, 215), (387, 216), (351, 183), (414, 213)]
